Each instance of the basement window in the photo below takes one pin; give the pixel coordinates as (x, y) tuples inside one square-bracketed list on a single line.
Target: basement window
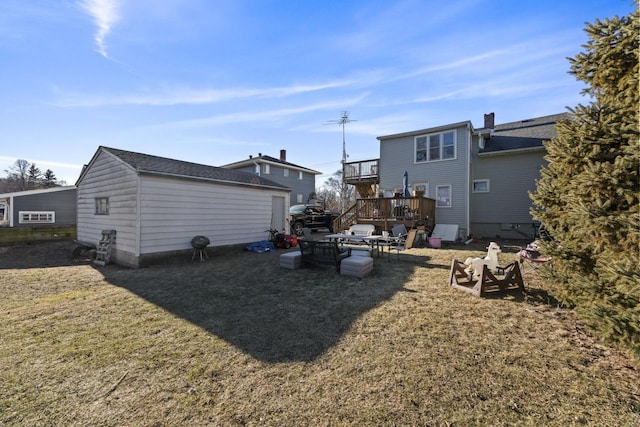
[(102, 206), (480, 185), (33, 217)]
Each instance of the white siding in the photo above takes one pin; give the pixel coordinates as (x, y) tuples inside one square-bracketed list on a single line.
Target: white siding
[(108, 177), (173, 211)]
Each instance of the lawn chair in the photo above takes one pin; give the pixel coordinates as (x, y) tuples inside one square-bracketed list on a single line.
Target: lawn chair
[(530, 260), (400, 239), (308, 236)]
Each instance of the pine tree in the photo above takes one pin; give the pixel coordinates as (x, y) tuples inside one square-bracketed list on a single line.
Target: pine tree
[(49, 179), (588, 195), (33, 177)]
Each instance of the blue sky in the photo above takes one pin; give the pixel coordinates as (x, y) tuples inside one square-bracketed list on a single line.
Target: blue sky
[(215, 81)]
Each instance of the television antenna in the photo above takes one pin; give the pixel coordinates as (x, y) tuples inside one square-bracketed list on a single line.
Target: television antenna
[(343, 120)]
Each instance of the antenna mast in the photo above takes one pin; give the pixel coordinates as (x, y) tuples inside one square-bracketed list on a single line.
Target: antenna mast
[(343, 121)]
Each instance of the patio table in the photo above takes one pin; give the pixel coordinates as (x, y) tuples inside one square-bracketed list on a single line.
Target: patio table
[(370, 241)]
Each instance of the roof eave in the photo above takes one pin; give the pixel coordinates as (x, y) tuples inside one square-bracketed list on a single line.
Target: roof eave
[(512, 151), (219, 181), (428, 130)]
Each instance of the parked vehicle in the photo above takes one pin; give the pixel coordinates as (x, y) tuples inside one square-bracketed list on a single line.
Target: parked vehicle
[(310, 216)]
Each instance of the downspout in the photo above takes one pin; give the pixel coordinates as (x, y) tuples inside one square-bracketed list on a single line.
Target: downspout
[(258, 167), (468, 195)]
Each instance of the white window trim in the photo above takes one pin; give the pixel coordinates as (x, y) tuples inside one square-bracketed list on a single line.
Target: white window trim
[(95, 208), (438, 187), (266, 169), (299, 198), (300, 176), (479, 181), (440, 134), (286, 171), (4, 219), (36, 217)]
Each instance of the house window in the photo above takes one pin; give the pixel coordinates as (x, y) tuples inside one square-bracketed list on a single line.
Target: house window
[(299, 198), (266, 169), (480, 185), (102, 206), (257, 169), (422, 186), (30, 217), (4, 212), (286, 172), (443, 196), (438, 146), (300, 175)]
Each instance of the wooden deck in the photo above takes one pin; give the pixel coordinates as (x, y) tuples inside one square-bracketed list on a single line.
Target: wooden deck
[(385, 212)]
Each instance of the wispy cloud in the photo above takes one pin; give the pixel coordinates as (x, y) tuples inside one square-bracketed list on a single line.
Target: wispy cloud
[(105, 15), (43, 163), (189, 96), (258, 116)]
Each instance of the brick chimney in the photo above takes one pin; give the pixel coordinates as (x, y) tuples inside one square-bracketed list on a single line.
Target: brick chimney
[(489, 120), (283, 155)]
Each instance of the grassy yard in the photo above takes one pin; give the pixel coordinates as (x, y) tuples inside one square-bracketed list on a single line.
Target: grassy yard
[(239, 341)]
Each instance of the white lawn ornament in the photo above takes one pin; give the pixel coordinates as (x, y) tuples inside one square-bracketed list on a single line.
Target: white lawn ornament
[(491, 261)]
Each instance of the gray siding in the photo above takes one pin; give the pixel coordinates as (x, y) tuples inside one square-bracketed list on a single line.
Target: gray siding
[(397, 156), (62, 202), (511, 178), (304, 186), (109, 177)]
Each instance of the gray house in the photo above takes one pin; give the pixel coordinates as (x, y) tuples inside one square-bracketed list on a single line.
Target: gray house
[(480, 178), (301, 180), (39, 208), (157, 205)]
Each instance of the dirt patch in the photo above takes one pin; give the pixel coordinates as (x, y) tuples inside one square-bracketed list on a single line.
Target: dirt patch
[(41, 255)]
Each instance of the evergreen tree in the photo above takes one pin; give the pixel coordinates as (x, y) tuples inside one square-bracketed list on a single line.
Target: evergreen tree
[(33, 177), (588, 195), (49, 179)]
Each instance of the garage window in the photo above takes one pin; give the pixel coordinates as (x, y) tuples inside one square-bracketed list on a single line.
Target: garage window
[(33, 217)]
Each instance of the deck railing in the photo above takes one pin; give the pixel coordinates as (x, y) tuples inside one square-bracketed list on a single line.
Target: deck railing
[(384, 212), (362, 170)]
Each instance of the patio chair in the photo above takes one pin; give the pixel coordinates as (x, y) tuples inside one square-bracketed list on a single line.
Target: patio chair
[(308, 236), (400, 239)]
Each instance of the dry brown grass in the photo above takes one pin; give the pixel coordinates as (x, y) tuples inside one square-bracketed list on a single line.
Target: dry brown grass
[(239, 341)]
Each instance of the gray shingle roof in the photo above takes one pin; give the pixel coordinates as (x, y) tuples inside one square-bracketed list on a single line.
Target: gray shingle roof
[(145, 163), (264, 158), (523, 134)]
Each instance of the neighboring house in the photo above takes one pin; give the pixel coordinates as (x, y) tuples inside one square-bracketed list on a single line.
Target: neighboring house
[(480, 178), (301, 180), (39, 208), (157, 205)]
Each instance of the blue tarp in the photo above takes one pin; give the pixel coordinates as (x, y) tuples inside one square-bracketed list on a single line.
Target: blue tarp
[(261, 246)]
